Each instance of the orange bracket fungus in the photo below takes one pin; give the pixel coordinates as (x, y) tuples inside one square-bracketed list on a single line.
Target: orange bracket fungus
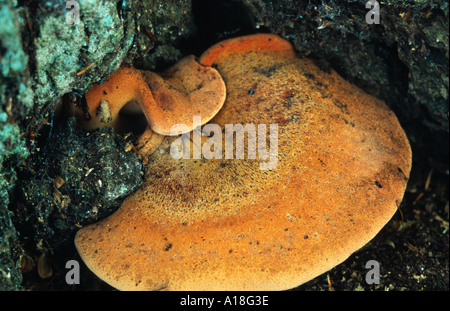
[(172, 98), (225, 224)]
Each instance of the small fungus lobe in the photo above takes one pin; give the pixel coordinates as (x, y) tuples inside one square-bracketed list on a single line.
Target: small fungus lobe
[(167, 99)]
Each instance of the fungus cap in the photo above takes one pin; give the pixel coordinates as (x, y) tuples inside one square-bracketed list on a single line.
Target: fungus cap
[(224, 224), (185, 90)]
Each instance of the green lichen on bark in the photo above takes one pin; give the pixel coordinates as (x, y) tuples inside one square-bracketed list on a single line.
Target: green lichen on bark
[(15, 100), (12, 151), (101, 38)]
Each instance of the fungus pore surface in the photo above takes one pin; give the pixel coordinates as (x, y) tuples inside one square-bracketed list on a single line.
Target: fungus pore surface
[(225, 224)]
